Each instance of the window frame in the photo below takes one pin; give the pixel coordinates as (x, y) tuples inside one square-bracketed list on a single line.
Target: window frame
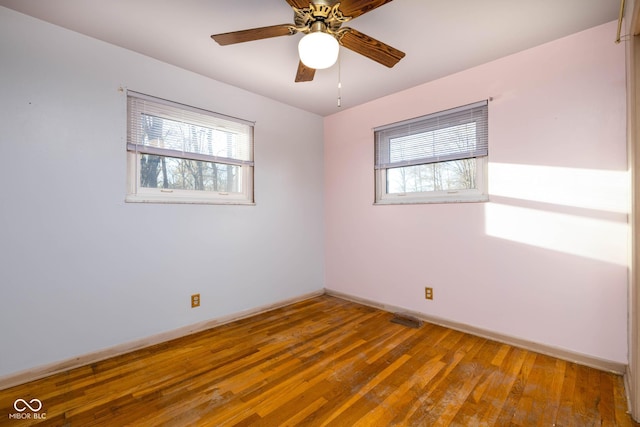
[(138, 194), (477, 194)]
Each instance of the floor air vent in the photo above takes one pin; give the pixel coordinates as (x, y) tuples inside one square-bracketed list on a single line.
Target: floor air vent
[(406, 320)]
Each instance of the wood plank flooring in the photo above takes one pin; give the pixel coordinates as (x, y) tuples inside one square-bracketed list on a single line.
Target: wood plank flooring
[(325, 362)]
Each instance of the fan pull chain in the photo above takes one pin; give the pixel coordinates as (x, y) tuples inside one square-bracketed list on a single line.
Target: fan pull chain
[(339, 84)]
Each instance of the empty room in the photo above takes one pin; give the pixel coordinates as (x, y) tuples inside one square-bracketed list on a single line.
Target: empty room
[(283, 212)]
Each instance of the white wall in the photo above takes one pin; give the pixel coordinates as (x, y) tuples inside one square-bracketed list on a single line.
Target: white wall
[(546, 259), (80, 269)]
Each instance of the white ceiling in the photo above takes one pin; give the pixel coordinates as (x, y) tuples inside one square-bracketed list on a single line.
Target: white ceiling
[(439, 37)]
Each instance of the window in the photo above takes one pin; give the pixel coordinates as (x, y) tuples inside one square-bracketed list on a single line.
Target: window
[(441, 157), (182, 154)]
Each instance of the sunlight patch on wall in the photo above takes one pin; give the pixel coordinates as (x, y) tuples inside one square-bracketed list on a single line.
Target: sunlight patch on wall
[(576, 211), (604, 190), (587, 237)]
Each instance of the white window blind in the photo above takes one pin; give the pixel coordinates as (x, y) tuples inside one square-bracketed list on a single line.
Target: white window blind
[(455, 134), (164, 128)]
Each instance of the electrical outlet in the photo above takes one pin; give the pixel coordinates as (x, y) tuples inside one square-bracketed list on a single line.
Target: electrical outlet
[(428, 293), (195, 300)]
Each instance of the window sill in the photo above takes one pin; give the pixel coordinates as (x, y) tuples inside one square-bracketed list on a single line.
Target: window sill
[(408, 200), (133, 198)]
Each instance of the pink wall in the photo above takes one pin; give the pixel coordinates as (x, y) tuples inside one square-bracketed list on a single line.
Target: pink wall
[(546, 259)]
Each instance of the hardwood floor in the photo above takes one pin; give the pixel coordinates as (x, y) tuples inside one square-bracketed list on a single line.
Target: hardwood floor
[(325, 361)]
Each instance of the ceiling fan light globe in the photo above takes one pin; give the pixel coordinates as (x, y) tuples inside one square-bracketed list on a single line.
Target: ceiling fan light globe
[(318, 50)]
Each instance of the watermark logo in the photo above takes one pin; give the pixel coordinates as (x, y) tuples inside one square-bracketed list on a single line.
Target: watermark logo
[(21, 405), (27, 410)]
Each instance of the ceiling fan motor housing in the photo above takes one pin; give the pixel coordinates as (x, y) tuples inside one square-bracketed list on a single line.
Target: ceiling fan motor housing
[(329, 15)]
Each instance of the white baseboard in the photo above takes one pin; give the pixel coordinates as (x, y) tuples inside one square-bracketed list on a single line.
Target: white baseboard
[(39, 372), (582, 359)]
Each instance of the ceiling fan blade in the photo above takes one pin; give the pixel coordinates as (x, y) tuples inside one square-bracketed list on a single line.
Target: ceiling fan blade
[(371, 48), (254, 34), (355, 8), (304, 73), (298, 4)]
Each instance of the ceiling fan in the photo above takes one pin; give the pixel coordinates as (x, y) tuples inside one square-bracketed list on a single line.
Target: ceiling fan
[(321, 21)]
